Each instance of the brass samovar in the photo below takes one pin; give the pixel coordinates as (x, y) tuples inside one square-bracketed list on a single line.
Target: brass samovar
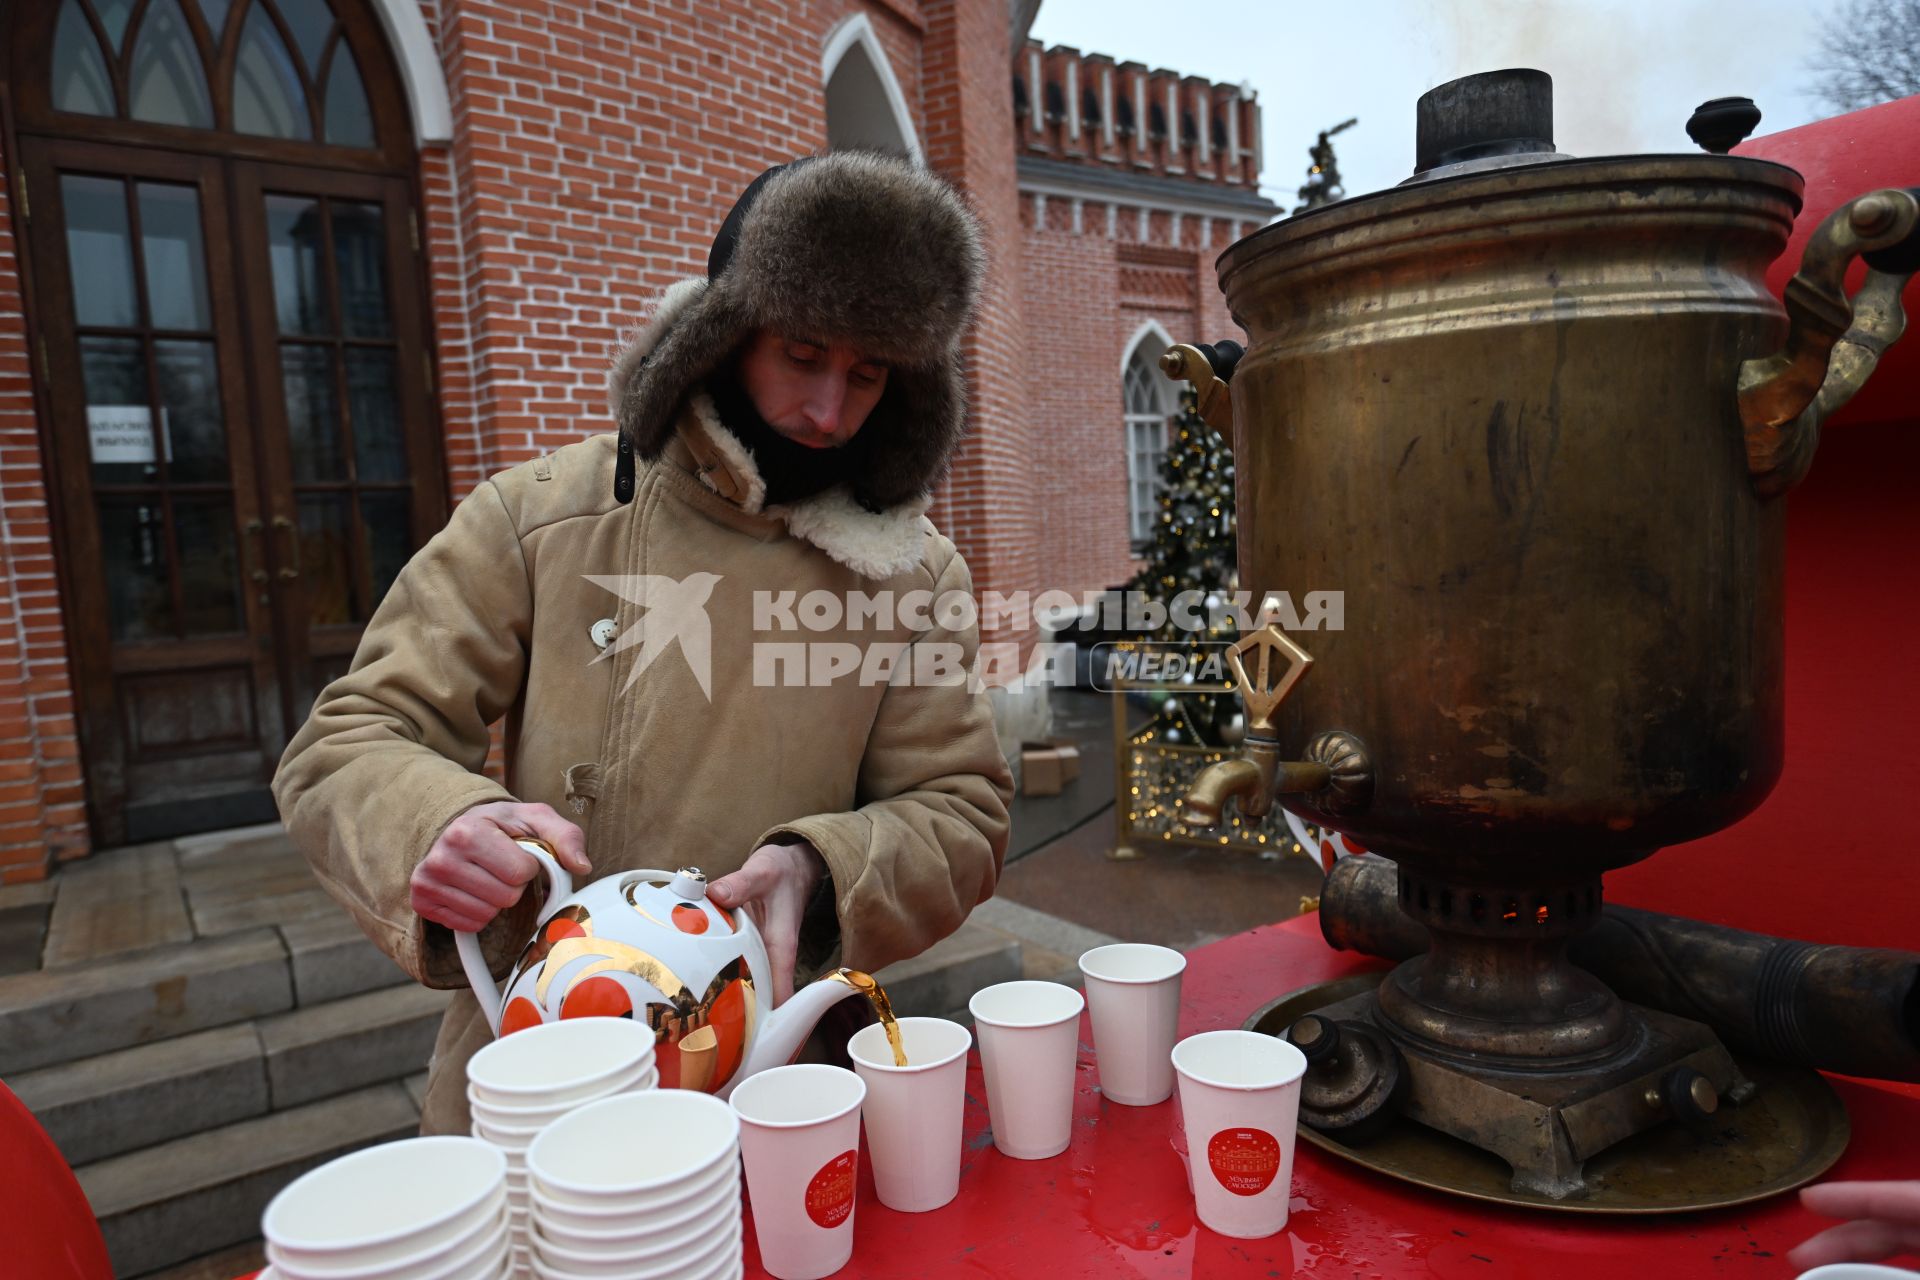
[(1534, 416)]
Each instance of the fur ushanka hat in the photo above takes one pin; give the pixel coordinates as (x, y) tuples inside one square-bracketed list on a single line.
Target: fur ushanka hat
[(850, 246)]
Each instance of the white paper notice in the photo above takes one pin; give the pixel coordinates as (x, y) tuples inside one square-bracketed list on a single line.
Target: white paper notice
[(124, 433)]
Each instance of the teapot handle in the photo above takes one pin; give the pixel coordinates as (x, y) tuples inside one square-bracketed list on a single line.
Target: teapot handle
[(474, 961), (1833, 342)]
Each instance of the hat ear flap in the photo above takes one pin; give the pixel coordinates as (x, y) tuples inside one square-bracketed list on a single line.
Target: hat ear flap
[(914, 431), (699, 342)]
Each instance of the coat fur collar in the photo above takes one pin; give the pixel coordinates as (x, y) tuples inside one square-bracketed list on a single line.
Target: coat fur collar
[(873, 544)]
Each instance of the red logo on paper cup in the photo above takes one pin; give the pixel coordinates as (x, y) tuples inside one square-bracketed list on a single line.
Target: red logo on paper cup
[(830, 1193), (1244, 1160)]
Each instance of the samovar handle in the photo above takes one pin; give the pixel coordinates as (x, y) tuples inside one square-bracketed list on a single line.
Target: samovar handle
[(1834, 341), (1208, 368)]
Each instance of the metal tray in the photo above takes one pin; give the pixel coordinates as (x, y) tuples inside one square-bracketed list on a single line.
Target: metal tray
[(1787, 1135)]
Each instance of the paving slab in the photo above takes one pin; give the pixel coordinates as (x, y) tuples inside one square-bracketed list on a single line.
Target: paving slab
[(230, 913), (331, 958), (122, 1101), (58, 1015), (345, 1044), (196, 848), (33, 893), (182, 1199), (119, 900)]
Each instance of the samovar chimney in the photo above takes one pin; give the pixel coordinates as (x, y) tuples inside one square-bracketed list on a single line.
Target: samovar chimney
[(1484, 121)]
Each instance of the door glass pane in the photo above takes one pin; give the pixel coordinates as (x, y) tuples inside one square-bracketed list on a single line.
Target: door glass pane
[(133, 552), (373, 413), (313, 420), (326, 566), (113, 15), (360, 252), (176, 264), (167, 85), (216, 15), (119, 423), (190, 404), (349, 118), (310, 21), (268, 98), (294, 247), (99, 250), (389, 538), (80, 81), (209, 566)]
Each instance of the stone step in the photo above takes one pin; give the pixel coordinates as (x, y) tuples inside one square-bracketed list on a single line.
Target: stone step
[(331, 958), (179, 1200), (117, 1102), (84, 1010), (319, 1051)]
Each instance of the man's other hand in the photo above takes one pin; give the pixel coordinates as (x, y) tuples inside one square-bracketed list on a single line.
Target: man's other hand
[(1885, 1222), (475, 870), (773, 888)]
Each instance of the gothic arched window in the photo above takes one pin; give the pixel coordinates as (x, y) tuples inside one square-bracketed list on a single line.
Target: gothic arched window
[(1150, 404)]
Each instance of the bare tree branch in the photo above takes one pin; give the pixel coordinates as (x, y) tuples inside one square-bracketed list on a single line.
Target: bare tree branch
[(1869, 53)]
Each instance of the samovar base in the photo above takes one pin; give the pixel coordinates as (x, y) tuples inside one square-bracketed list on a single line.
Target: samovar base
[(1788, 1127), (1546, 1121)]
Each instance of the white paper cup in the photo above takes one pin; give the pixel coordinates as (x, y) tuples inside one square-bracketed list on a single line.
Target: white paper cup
[(914, 1113), (1856, 1271), (1240, 1098), (723, 1258), (1029, 1042), (800, 1142), (575, 1059), (385, 1203), (621, 1149), (1133, 996)]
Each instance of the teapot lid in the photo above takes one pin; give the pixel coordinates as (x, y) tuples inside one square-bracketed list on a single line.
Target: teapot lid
[(689, 883)]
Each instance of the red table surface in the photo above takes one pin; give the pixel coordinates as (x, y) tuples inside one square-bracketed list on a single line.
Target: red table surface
[(1116, 1204)]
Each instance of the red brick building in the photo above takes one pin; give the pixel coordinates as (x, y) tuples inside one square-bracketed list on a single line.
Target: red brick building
[(281, 280)]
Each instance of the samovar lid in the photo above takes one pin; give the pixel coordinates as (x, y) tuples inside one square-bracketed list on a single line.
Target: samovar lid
[(1490, 120)]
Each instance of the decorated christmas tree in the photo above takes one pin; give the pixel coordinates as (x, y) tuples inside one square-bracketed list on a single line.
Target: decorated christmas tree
[(1193, 551)]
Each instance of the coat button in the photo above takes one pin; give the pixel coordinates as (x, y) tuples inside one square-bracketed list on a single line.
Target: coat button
[(602, 632)]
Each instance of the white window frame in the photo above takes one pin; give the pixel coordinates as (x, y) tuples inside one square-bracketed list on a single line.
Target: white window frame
[(1148, 406), (858, 30)]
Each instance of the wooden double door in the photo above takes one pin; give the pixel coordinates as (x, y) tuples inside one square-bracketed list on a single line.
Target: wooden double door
[(239, 395)]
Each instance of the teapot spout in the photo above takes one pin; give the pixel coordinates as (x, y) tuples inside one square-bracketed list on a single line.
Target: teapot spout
[(780, 1035)]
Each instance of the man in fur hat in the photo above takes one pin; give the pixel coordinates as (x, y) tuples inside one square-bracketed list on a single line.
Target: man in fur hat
[(781, 425)]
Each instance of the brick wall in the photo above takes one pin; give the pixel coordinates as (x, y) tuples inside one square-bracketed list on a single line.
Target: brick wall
[(1089, 283), (41, 810)]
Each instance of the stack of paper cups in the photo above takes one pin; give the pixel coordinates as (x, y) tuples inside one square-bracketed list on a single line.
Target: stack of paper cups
[(523, 1082), (644, 1186), (421, 1209)]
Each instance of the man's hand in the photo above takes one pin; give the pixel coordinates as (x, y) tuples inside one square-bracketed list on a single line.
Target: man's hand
[(773, 888), (1886, 1221), (475, 870)]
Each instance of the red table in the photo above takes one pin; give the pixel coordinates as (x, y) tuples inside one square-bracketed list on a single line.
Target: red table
[(1116, 1204)]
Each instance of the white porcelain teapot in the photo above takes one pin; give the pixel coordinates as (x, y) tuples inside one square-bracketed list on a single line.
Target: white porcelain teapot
[(649, 945)]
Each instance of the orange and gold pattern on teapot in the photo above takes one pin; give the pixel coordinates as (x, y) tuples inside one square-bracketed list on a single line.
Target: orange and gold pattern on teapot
[(650, 945)]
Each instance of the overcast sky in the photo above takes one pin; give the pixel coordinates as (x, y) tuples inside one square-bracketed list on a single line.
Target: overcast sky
[(1626, 73)]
